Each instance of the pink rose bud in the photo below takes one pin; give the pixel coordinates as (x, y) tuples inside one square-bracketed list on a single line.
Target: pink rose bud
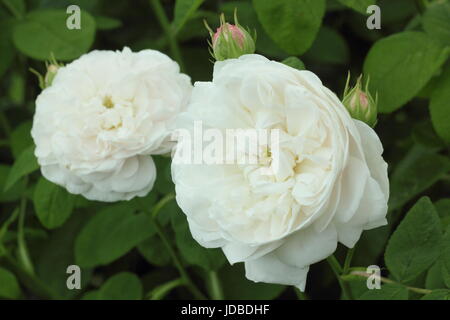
[(226, 29), (360, 103), (230, 40)]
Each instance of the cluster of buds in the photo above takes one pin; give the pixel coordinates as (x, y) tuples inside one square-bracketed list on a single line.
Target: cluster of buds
[(230, 40), (52, 69), (359, 102)]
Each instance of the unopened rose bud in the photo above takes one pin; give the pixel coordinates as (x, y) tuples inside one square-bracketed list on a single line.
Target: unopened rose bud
[(360, 103), (52, 70), (230, 40)]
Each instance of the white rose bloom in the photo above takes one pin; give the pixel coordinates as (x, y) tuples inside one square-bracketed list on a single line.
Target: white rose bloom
[(103, 116), (330, 186)]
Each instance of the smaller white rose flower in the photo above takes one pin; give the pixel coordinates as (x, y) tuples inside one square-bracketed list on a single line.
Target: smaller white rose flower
[(105, 114)]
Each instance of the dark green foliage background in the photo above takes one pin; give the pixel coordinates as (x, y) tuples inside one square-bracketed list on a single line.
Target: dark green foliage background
[(43, 229)]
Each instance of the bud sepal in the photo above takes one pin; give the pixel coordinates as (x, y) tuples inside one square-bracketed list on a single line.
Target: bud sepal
[(52, 67), (360, 103)]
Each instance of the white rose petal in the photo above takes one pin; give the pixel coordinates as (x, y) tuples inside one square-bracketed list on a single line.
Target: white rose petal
[(105, 114), (331, 184)]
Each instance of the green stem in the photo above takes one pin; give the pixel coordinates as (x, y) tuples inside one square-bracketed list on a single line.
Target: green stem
[(7, 223), (176, 260), (166, 199), (30, 281), (161, 291), (216, 287), (348, 260), (386, 280), (165, 25), (13, 10), (337, 269), (23, 254), (334, 264)]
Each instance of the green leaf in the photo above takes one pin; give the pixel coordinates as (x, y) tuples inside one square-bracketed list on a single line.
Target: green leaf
[(154, 251), (292, 24), (434, 279), (237, 287), (443, 209), (163, 183), (416, 243), (387, 292), (197, 28), (21, 138), (441, 294), (9, 287), (436, 22), (248, 18), (294, 62), (394, 12), (53, 204), (91, 295), (357, 284), (439, 106), (44, 32), (15, 191), (424, 134), (6, 45), (358, 5), (191, 251), (329, 47), (445, 258), (107, 23), (25, 164), (122, 286), (57, 253), (371, 245), (418, 171), (110, 234), (16, 90), (399, 66), (184, 10)]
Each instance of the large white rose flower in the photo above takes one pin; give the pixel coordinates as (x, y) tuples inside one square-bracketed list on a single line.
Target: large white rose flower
[(103, 116), (331, 183)]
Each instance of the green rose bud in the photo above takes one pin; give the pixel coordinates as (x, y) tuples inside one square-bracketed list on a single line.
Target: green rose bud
[(230, 40), (52, 69), (360, 103)]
